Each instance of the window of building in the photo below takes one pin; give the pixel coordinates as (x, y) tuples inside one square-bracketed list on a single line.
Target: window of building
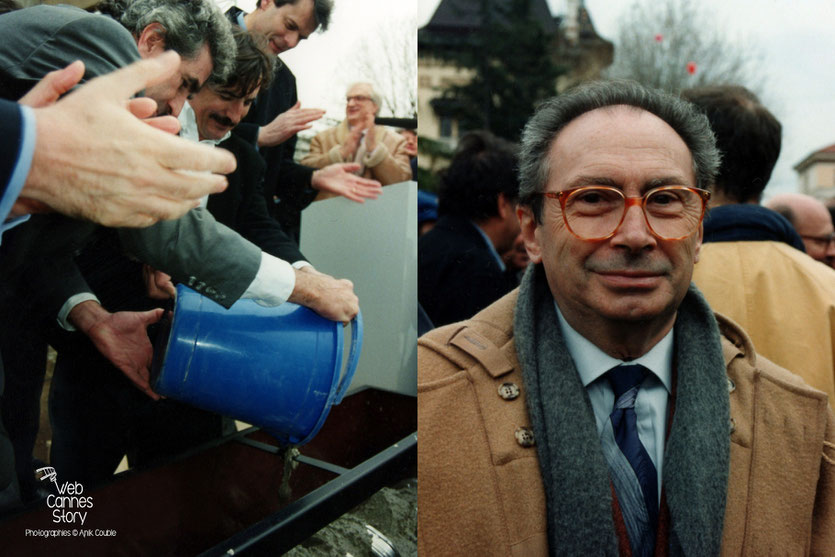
[(446, 126)]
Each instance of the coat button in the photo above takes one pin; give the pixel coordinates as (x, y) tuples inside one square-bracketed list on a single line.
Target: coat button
[(524, 436), (731, 385), (508, 391)]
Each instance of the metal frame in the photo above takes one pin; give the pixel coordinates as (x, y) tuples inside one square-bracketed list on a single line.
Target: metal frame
[(302, 518)]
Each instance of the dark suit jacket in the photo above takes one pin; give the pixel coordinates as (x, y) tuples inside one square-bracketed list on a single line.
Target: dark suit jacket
[(193, 249), (12, 122), (117, 280), (286, 183), (458, 275), (242, 206)]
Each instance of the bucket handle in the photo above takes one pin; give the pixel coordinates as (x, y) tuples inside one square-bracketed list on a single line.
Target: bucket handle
[(353, 357)]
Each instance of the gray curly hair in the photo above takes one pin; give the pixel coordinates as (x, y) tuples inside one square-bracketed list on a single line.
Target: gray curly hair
[(554, 114), (189, 24)]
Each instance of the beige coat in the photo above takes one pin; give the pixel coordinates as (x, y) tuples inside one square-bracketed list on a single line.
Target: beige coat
[(782, 298), (388, 163), (480, 492)]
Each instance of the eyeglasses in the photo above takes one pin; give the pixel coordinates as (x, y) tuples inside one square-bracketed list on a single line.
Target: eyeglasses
[(596, 212), (358, 98)]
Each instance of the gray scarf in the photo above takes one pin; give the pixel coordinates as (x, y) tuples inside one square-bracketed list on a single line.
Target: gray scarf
[(574, 470)]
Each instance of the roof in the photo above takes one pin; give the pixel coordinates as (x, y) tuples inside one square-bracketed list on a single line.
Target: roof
[(467, 15), (827, 154)]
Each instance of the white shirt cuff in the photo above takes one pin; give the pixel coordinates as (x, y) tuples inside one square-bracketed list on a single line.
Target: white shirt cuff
[(71, 303), (273, 283)]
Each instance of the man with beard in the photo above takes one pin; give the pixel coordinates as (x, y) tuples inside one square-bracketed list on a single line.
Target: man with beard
[(195, 249), (98, 415)]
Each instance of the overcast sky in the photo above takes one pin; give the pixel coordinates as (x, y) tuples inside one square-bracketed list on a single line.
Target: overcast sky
[(797, 40), (319, 63)]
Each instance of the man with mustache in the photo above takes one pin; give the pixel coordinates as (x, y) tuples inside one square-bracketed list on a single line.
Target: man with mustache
[(194, 249), (98, 415), (602, 408)]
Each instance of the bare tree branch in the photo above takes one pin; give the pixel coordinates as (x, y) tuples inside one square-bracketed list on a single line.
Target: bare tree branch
[(658, 40), (388, 59)]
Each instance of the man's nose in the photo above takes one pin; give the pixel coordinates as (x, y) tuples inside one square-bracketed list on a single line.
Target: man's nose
[(292, 40), (237, 111), (634, 232), (175, 105)]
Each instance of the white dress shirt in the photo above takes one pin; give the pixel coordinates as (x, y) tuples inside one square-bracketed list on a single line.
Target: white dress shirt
[(273, 283), (651, 404)]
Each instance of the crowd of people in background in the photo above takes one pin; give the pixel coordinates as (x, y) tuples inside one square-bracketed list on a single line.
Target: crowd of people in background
[(625, 348), (594, 403), (106, 210)]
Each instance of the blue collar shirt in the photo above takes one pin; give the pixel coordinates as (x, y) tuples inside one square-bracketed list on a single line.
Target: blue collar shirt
[(650, 406)]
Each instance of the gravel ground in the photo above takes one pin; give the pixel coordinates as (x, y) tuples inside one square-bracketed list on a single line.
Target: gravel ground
[(392, 511)]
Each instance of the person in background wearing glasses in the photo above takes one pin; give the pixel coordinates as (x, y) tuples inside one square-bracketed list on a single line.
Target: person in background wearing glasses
[(602, 408), (382, 154), (812, 221), (752, 256)]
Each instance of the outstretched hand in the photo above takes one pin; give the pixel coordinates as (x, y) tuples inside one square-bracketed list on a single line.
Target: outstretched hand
[(287, 124), (95, 159), (339, 178), (122, 338)]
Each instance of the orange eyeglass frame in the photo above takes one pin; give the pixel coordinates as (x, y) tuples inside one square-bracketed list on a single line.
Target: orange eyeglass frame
[(629, 201)]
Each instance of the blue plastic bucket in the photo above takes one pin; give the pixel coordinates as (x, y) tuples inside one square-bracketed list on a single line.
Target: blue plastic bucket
[(274, 367)]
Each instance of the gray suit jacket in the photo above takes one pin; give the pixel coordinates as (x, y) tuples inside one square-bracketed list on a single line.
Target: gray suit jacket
[(195, 249)]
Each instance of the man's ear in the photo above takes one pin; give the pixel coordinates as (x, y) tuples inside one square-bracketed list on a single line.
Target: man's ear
[(503, 206), (151, 41), (528, 225)]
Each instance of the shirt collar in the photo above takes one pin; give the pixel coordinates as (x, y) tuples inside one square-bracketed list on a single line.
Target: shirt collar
[(592, 362), (188, 127), (241, 22)]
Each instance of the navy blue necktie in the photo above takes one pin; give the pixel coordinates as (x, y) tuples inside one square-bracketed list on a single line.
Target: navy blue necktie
[(625, 381)]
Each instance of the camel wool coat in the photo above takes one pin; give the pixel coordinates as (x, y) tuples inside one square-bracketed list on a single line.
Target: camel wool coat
[(480, 488), (781, 297), (388, 163)]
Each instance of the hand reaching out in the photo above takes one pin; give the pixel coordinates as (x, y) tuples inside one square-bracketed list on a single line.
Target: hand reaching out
[(94, 159), (122, 338), (287, 124), (339, 178)]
